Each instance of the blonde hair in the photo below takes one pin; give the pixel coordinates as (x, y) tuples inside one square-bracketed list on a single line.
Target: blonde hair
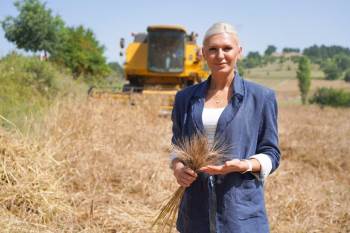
[(220, 27)]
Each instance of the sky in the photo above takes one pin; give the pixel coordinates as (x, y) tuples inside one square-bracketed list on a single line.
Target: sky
[(296, 24)]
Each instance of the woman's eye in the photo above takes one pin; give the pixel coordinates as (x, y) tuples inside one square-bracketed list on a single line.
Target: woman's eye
[(226, 49), (212, 49)]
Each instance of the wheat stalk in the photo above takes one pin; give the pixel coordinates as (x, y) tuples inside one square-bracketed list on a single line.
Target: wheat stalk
[(195, 152)]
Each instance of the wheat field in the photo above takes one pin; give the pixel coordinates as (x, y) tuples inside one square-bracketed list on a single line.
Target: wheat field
[(100, 166)]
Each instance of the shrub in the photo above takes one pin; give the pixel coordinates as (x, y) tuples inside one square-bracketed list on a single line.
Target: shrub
[(347, 76), (331, 70), (331, 97), (28, 86)]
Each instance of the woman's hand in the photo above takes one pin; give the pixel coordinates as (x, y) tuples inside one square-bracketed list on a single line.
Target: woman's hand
[(184, 176), (234, 165)]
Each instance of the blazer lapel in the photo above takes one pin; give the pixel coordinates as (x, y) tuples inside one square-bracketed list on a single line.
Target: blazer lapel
[(197, 110), (232, 108), (197, 105), (227, 116)]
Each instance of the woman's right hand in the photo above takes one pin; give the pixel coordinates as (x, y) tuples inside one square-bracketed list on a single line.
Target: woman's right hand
[(184, 175)]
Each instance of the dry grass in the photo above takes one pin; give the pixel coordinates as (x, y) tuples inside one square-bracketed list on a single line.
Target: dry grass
[(98, 166), (311, 190)]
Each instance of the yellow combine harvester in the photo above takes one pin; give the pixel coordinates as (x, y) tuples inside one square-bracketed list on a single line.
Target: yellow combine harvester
[(160, 62)]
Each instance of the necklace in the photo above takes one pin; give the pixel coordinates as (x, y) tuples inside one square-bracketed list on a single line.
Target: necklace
[(217, 99)]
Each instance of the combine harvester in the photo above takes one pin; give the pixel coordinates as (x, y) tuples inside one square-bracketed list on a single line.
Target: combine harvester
[(158, 64)]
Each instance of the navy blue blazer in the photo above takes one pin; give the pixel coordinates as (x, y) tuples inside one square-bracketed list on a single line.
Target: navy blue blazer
[(232, 203)]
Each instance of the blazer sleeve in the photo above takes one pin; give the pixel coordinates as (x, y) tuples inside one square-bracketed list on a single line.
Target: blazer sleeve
[(175, 118), (268, 142)]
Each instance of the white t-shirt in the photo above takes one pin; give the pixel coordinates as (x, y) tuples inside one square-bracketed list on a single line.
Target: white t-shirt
[(210, 118)]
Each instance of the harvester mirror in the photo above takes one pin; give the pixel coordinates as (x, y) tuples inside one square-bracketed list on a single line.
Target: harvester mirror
[(193, 36), (122, 43)]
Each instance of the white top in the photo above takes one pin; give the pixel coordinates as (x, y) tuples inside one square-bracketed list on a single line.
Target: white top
[(210, 118)]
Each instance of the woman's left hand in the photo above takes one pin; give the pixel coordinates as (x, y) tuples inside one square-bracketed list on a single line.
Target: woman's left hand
[(234, 165)]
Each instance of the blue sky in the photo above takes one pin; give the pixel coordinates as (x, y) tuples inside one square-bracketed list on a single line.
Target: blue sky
[(297, 23)]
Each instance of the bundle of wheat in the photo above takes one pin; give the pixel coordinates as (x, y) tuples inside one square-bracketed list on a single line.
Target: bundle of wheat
[(195, 152)]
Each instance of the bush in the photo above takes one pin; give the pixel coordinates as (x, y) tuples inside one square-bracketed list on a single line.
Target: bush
[(82, 54), (253, 59), (28, 86), (347, 76), (295, 59), (331, 70), (331, 97), (240, 68)]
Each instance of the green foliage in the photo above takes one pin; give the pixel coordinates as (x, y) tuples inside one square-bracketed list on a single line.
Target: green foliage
[(82, 54), (270, 50), (333, 60), (347, 76), (252, 60), (295, 59), (331, 97), (282, 60), (291, 50), (318, 54), (117, 68), (269, 59), (304, 77), (240, 68), (28, 86), (331, 70), (343, 61), (34, 29)]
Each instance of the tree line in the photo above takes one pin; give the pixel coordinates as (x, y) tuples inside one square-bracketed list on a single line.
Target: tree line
[(36, 29), (334, 61)]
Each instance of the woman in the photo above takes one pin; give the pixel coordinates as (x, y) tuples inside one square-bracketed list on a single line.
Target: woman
[(227, 198)]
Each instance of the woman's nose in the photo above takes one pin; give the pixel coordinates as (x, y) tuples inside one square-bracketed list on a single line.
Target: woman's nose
[(220, 53)]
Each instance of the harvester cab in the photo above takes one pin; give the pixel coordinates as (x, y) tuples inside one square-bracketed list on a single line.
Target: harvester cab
[(162, 61)]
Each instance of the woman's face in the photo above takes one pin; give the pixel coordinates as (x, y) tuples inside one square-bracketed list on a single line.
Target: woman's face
[(221, 51)]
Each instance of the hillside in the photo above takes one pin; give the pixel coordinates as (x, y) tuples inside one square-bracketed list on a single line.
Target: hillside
[(281, 77)]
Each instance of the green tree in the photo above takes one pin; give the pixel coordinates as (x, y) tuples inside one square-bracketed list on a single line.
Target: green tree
[(270, 50), (318, 54), (116, 67), (304, 78), (252, 60), (34, 29), (331, 70), (117, 70), (240, 68), (291, 50), (82, 53), (347, 76), (343, 61)]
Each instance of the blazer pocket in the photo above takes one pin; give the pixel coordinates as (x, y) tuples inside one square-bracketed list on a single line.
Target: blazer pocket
[(250, 199)]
